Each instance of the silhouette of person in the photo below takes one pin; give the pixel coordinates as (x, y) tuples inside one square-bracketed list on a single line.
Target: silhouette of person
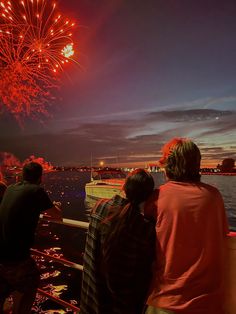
[(20, 208)]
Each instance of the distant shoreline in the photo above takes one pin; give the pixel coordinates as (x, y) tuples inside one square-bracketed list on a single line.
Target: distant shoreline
[(219, 173)]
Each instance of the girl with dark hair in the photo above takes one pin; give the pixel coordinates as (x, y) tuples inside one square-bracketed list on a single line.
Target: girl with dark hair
[(119, 251)]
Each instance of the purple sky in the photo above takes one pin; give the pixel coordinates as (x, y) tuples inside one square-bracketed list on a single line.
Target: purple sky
[(150, 70)]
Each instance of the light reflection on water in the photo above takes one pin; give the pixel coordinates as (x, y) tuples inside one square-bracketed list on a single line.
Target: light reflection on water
[(227, 186), (68, 242)]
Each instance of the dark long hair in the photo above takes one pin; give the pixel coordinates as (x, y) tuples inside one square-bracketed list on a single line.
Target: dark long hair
[(138, 186)]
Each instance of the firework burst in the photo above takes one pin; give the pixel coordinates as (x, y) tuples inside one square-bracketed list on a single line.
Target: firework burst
[(35, 44)]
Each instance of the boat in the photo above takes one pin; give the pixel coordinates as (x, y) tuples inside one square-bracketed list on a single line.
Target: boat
[(105, 183)]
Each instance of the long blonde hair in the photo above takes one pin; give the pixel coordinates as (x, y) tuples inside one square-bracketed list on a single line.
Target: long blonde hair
[(181, 159)]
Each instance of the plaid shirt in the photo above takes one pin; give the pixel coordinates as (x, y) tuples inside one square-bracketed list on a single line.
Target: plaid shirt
[(129, 276)]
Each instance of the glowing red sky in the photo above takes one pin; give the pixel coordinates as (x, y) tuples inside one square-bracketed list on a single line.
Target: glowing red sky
[(151, 70)]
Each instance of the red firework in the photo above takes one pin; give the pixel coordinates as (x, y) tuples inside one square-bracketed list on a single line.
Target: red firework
[(35, 43)]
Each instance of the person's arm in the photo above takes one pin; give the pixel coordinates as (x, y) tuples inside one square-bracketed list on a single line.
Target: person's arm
[(54, 212), (50, 210)]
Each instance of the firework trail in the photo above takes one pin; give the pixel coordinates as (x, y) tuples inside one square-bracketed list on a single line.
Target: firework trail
[(35, 44)]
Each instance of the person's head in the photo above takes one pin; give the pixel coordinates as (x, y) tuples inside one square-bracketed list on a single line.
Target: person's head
[(3, 188), (138, 186), (32, 172), (181, 159)]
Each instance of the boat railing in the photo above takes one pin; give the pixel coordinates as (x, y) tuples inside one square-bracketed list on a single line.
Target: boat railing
[(230, 270), (59, 301), (58, 259), (70, 223)]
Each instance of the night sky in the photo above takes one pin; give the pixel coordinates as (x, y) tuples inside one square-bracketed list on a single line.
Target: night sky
[(149, 71)]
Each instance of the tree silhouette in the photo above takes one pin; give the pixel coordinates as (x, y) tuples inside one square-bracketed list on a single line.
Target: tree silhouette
[(228, 165)]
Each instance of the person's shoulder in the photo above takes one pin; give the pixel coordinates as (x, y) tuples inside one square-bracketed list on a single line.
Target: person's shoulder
[(14, 186), (209, 188), (33, 188), (100, 206), (114, 201), (210, 192), (118, 200), (39, 188), (168, 185), (23, 185), (102, 202), (103, 206), (30, 189)]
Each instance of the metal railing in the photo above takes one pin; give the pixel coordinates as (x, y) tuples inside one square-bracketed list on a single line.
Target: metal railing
[(58, 259), (70, 223), (65, 304), (83, 225)]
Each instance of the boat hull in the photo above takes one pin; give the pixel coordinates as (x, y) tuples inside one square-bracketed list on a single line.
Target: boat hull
[(102, 190)]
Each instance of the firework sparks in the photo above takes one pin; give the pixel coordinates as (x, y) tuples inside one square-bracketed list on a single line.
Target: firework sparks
[(35, 44), (68, 51)]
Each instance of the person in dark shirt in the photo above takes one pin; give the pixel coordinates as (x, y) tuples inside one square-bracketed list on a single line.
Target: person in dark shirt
[(119, 251), (20, 209), (2, 190)]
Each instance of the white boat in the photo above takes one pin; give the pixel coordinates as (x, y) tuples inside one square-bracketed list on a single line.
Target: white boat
[(105, 183)]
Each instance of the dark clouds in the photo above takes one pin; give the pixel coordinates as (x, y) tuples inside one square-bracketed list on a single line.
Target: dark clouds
[(134, 137)]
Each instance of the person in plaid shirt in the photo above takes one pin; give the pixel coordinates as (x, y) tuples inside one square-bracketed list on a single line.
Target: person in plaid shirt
[(119, 251)]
